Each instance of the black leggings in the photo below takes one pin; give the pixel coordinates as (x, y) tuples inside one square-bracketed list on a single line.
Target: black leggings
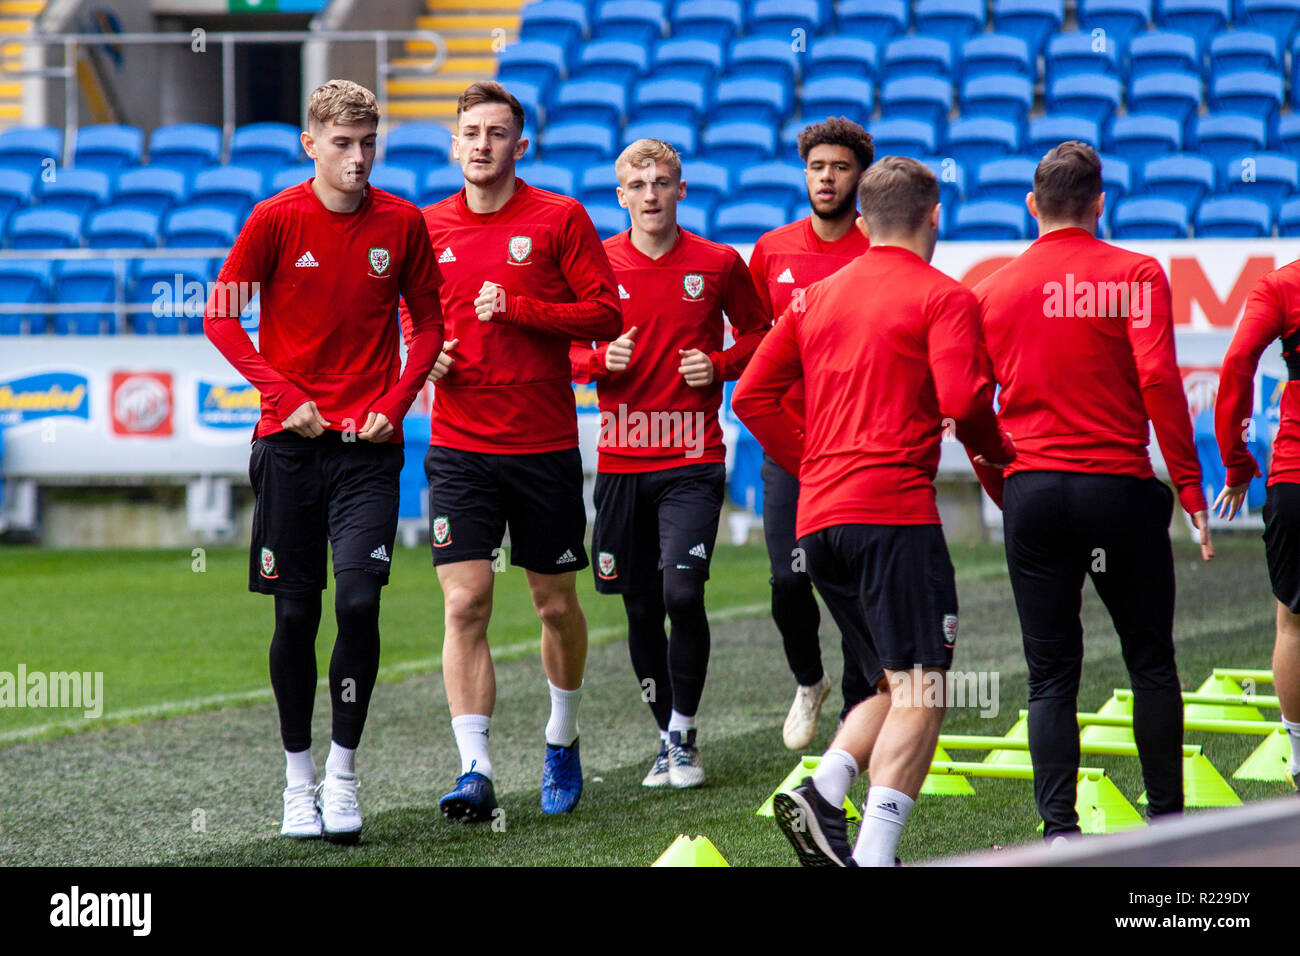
[(671, 670), (353, 665)]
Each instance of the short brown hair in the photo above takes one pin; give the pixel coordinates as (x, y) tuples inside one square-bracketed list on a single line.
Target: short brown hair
[(647, 152), (342, 101), (490, 91), (1067, 181), (838, 131), (896, 194)]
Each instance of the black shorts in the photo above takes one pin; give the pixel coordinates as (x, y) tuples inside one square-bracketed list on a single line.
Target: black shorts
[(474, 496), (906, 590), (1282, 542), (311, 492), (653, 520)]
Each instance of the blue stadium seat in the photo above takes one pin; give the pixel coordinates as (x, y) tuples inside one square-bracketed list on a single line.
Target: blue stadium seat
[(1048, 132), (1092, 95), (973, 140), (1139, 137), (121, 227), (1121, 19), (877, 19), (29, 147), (292, 176), (154, 282), (577, 144), (1007, 97), (1031, 20), (1163, 51), (765, 58), (441, 183), (1075, 52), (1279, 18), (1006, 179), (108, 147), (752, 100), (848, 96), (616, 60), (693, 219), (778, 184), (1223, 136), (598, 185), (608, 219), (680, 101), (187, 147), (418, 147), (989, 220), (991, 54), (548, 176), (717, 21), (86, 282), (74, 190), (24, 282), (842, 56), (950, 20), (1175, 95), (781, 18), (1233, 217), (554, 21), (925, 98), (237, 188), (635, 21), (1268, 177), (742, 222), (1182, 177), (952, 179), (738, 144), (200, 227), (1288, 218), (1116, 179), (266, 146), (44, 229), (903, 137), (150, 188), (397, 180), (1254, 93), (1143, 218), (680, 136), (533, 99), (707, 184), (589, 101), (15, 190), (1200, 18), (1237, 50), (917, 56), (699, 61), (788, 148), (1286, 136), (540, 62)]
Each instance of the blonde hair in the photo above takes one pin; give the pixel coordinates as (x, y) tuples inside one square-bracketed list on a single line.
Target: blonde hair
[(645, 152), (343, 102)]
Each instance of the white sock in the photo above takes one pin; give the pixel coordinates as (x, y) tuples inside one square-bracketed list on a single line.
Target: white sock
[(834, 775), (1293, 731), (471, 732), (680, 723), (882, 825), (299, 768), (341, 759), (562, 728)]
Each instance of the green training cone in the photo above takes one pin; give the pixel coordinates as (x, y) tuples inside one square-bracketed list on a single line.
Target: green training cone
[(1269, 761), (1203, 785), (946, 784), (804, 768), (1102, 808), (1115, 707), (691, 851), (1013, 758), (1221, 684)]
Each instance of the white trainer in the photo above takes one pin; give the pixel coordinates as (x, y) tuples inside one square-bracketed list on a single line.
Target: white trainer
[(684, 767), (658, 775), (340, 816), (801, 723), (301, 816)]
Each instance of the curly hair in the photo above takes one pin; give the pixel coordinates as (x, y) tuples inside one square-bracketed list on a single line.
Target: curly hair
[(838, 131)]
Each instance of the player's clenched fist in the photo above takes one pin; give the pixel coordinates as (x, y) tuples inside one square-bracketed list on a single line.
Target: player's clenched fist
[(696, 368), (491, 299), (377, 428), (444, 361), (619, 352), (306, 421)]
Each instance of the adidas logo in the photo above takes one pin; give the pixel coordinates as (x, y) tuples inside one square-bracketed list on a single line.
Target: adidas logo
[(307, 261), (622, 293), (698, 551), (447, 256), (566, 558), (891, 806), (380, 553), (786, 276)]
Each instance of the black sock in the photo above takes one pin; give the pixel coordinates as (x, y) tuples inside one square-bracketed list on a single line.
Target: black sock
[(355, 661), (293, 667)]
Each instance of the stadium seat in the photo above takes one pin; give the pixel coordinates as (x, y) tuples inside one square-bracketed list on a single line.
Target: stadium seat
[(973, 140), (1200, 18), (1278, 18), (200, 227), (707, 184), (186, 147), (608, 219), (680, 136), (397, 180), (877, 19), (923, 98), (73, 190), (764, 58), (1116, 179), (1162, 51), (950, 20), (848, 96), (991, 54), (1268, 177), (1006, 179), (150, 189), (1139, 137), (1285, 137), (1048, 132), (533, 99), (1183, 177), (1091, 95), (699, 61), (737, 223), (1175, 95), (1236, 51), (752, 100), (237, 188), (441, 183), (418, 147), (1233, 217), (154, 282), (589, 101), (108, 147), (554, 21), (903, 137), (1121, 19), (989, 220), (24, 282), (548, 176), (1255, 93), (577, 144), (291, 176), (1004, 96), (634, 21), (1142, 218), (29, 148), (693, 219), (86, 282), (15, 190), (717, 21), (121, 227), (677, 101), (788, 148), (1033, 21), (540, 62), (781, 18), (952, 179), (738, 144), (266, 146), (842, 56), (1221, 137), (598, 184), (778, 184), (917, 56), (44, 229), (615, 60), (1288, 218)]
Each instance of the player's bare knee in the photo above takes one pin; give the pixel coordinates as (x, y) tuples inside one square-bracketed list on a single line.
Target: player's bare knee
[(468, 609)]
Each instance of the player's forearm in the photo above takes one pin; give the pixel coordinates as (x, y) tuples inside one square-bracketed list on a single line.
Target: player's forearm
[(757, 403), (233, 342), (421, 354), (590, 319), (1233, 419), (587, 364), (1166, 406), (729, 363)]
